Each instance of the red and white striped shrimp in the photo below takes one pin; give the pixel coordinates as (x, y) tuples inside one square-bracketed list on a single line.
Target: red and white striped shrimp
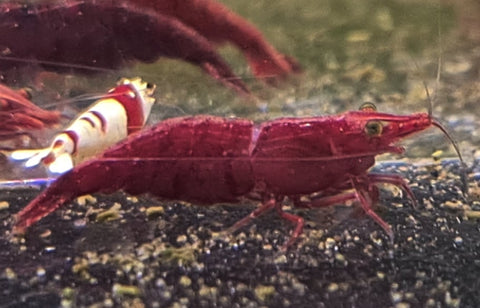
[(124, 110)]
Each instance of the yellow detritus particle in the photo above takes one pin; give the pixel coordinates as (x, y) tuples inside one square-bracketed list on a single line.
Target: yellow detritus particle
[(437, 154), (154, 211), (472, 214), (83, 200), (110, 214), (263, 293), (358, 36), (132, 199), (120, 289), (9, 274), (4, 205), (185, 281)]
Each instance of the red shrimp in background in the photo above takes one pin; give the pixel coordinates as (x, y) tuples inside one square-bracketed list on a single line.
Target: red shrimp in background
[(219, 24), (18, 114), (122, 111), (207, 160), (95, 36)]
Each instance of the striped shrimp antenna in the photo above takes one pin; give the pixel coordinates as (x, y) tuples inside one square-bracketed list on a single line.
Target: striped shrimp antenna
[(122, 111)]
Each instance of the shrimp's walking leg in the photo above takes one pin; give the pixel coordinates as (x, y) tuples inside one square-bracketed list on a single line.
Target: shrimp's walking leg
[(325, 201), (363, 191), (297, 220), (265, 207)]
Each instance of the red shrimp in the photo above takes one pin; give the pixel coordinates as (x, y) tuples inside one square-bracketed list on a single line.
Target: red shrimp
[(94, 36), (207, 160), (18, 114), (225, 26)]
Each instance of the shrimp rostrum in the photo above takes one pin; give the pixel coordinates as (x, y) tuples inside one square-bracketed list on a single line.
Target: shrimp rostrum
[(207, 160)]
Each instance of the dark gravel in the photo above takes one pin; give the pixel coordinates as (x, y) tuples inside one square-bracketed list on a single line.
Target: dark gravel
[(173, 256)]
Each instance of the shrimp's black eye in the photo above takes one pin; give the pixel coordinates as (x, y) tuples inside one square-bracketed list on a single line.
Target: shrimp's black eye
[(374, 128), (368, 106)]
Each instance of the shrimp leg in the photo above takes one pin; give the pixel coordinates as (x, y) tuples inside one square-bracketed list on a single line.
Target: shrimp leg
[(364, 195)]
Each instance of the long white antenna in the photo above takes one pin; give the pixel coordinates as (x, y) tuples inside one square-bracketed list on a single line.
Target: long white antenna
[(463, 165)]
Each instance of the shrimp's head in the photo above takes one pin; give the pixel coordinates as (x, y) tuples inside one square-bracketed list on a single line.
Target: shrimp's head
[(143, 92), (379, 132), (136, 96)]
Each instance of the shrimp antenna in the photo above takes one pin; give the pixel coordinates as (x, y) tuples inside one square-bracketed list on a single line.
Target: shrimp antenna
[(84, 97), (454, 143), (57, 64), (463, 166), (439, 62), (431, 100), (425, 86), (436, 122)]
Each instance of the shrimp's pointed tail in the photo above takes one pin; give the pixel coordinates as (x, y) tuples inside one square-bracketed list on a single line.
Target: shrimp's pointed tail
[(59, 193), (85, 178)]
